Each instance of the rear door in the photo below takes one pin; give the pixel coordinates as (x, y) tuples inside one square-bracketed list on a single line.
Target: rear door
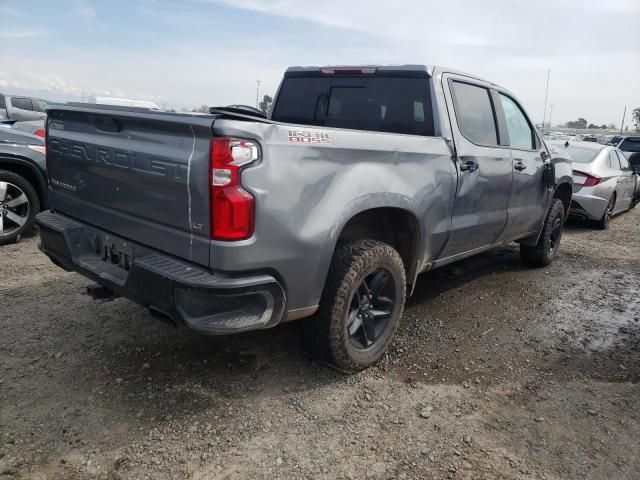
[(528, 201), (621, 181), (628, 176), (484, 165)]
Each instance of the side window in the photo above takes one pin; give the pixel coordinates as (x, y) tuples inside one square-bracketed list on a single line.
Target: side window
[(614, 162), (2, 104), (40, 105), (475, 113), (520, 132), (630, 145), (22, 103), (623, 160)]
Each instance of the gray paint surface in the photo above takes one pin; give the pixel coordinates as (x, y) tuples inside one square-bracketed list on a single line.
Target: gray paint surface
[(144, 176)]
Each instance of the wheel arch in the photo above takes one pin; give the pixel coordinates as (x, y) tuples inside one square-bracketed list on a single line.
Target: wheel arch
[(397, 226), (564, 192), (30, 173)]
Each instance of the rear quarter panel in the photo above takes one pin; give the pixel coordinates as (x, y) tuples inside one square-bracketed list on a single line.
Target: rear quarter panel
[(306, 193)]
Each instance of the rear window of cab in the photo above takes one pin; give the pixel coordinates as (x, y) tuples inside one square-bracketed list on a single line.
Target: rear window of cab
[(372, 103)]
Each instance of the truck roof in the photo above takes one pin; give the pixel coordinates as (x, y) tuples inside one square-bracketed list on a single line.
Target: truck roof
[(411, 69)]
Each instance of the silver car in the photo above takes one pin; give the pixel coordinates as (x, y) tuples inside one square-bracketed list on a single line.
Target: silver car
[(603, 182)]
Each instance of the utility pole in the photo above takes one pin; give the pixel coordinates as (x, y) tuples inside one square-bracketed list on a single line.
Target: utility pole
[(258, 94), (546, 96), (624, 114)]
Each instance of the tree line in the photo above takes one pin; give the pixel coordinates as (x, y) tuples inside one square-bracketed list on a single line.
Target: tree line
[(581, 123)]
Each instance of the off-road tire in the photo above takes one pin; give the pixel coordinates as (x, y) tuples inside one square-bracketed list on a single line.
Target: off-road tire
[(544, 252), (326, 335), (34, 206)]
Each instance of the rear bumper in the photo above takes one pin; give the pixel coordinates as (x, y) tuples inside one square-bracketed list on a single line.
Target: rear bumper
[(588, 207), (188, 294)]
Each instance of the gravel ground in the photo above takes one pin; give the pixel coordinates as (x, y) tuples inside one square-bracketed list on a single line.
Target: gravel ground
[(497, 372)]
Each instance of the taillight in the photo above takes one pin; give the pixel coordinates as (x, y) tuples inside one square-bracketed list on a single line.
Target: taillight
[(585, 179), (231, 207), (39, 133)]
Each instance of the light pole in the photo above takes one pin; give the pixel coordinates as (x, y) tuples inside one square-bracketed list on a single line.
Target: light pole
[(550, 115), (257, 94), (546, 96), (624, 114)]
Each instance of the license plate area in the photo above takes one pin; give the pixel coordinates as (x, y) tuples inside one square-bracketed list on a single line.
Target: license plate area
[(115, 251)]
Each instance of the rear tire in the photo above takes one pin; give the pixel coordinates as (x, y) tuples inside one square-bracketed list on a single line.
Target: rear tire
[(545, 251), (603, 223), (19, 204), (360, 307)]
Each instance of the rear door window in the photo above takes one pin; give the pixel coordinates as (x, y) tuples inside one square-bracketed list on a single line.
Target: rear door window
[(22, 103), (613, 161), (623, 160), (521, 134), (474, 112), (374, 103)]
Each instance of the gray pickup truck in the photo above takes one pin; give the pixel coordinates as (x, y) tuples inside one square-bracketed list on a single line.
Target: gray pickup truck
[(360, 179)]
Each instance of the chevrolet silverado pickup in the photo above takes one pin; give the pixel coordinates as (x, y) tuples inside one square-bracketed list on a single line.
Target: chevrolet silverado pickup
[(360, 179)]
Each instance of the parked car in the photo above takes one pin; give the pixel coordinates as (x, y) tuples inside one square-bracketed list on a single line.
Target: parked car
[(34, 127), (21, 109), (630, 146), (23, 188), (362, 178), (604, 184)]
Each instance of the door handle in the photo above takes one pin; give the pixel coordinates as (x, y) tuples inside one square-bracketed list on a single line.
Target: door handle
[(519, 166), (469, 166)]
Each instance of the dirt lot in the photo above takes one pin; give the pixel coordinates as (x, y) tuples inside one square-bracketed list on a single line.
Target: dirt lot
[(498, 372)]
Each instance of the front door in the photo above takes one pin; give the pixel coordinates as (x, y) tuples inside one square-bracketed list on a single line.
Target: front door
[(528, 202), (484, 166)]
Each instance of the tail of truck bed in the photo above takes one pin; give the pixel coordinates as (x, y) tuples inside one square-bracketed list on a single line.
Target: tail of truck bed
[(135, 173)]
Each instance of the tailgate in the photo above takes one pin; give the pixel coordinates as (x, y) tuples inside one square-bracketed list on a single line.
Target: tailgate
[(140, 174)]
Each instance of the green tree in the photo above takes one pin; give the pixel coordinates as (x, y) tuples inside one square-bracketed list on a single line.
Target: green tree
[(265, 104), (580, 123), (201, 109), (635, 115)]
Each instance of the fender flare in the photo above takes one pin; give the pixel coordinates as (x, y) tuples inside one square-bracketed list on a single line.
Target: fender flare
[(362, 204)]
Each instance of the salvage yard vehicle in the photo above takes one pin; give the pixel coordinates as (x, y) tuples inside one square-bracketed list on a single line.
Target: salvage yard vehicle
[(362, 178), (23, 188), (604, 184), (21, 109)]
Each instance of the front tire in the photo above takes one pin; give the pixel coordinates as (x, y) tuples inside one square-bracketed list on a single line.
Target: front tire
[(360, 307), (19, 204), (543, 253)]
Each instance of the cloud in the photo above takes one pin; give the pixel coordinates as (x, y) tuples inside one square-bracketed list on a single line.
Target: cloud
[(213, 51), (7, 10), (85, 12), (19, 34)]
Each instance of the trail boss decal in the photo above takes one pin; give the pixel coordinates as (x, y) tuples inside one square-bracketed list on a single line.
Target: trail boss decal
[(301, 136)]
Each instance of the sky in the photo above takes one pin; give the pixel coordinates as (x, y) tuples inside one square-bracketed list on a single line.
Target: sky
[(185, 53)]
